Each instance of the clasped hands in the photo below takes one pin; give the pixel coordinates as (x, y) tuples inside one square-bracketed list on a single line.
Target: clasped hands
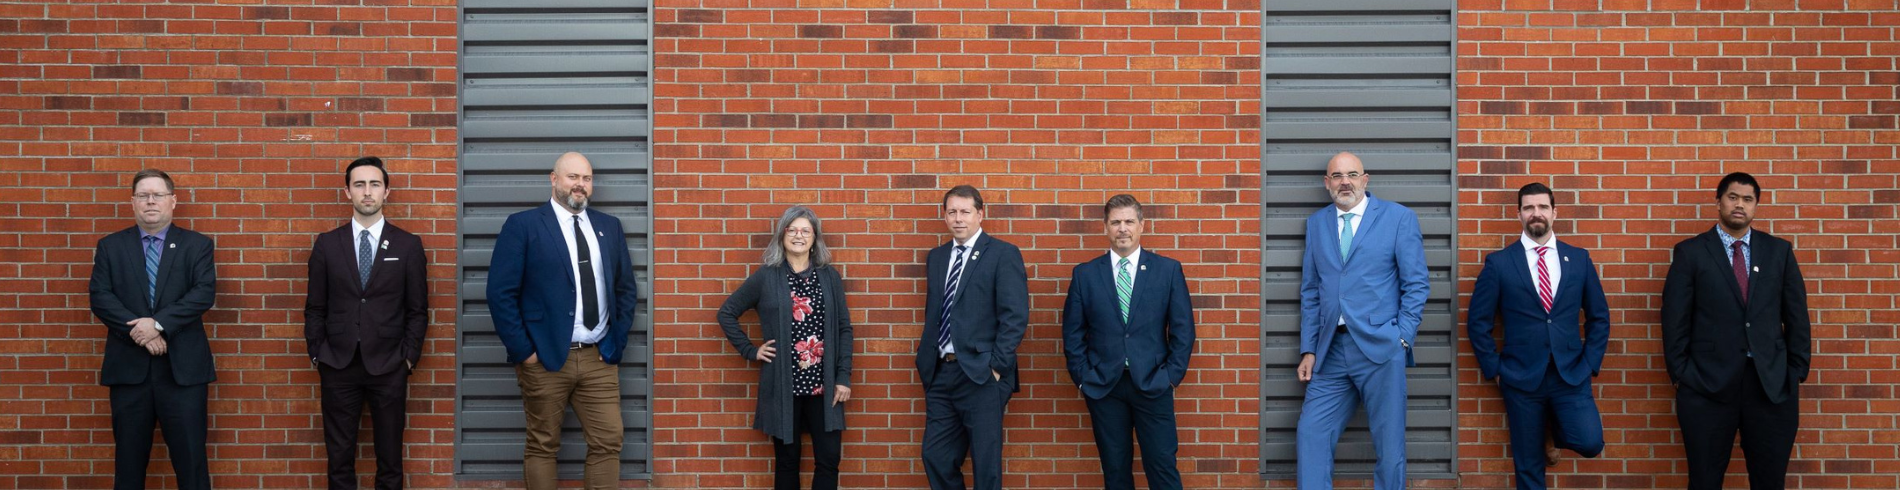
[(145, 333)]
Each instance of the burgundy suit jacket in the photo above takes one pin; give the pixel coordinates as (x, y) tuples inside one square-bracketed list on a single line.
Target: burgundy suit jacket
[(386, 320)]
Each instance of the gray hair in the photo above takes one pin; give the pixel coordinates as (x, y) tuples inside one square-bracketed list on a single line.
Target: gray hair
[(775, 249)]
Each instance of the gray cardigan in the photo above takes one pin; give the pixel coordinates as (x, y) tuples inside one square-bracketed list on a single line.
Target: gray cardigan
[(769, 291)]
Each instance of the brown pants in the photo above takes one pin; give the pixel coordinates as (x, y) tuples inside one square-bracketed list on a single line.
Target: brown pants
[(592, 387)]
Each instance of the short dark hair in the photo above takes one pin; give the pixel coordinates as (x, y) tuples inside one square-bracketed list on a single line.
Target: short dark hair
[(1735, 178), (366, 162), (1533, 189), (152, 173), (1120, 201), (964, 191)]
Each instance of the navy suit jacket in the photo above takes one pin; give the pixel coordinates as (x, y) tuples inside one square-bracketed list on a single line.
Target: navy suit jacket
[(1507, 294), (1708, 330), (1156, 340), (187, 287), (1380, 288), (991, 311), (533, 307)]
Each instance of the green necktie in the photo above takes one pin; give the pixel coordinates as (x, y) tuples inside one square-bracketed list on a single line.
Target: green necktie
[(1345, 236), (1124, 285)]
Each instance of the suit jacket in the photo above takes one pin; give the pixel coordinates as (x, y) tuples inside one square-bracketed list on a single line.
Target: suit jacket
[(769, 291), (187, 287), (1708, 330), (387, 319), (1380, 289), (1507, 294), (533, 307), (991, 311), (1154, 342)]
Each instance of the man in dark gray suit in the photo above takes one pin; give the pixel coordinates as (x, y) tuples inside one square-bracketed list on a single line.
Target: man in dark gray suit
[(974, 317)]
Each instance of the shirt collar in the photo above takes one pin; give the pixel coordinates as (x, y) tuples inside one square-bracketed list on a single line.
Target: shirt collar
[(971, 243), (1358, 210), (1532, 245), (375, 230), (1114, 259), (1728, 240), (161, 233), (561, 211)]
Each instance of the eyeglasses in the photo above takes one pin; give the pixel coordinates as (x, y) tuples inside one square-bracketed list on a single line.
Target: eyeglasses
[(798, 231), (152, 197), (1346, 176)]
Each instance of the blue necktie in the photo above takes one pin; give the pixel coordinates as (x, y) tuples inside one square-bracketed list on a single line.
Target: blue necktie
[(363, 254), (949, 298), (1345, 236), (151, 271)]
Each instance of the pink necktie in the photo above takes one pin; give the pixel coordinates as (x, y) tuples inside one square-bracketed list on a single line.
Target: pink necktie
[(1543, 279)]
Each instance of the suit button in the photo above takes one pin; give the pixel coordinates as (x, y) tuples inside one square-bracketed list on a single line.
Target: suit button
[(364, 300), (1747, 325), (1546, 320)]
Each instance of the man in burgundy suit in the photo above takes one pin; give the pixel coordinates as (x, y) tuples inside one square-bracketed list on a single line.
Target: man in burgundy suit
[(364, 318)]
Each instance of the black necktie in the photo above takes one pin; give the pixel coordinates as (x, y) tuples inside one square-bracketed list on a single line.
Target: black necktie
[(590, 304)]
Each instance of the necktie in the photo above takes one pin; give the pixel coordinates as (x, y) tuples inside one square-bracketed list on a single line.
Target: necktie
[(1345, 236), (1543, 279), (1740, 264), (590, 303), (1124, 285), (363, 255), (949, 298), (151, 271)]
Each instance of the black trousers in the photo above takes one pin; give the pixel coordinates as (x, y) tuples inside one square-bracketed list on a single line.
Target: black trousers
[(345, 392), (1709, 426), (178, 410), (808, 416)]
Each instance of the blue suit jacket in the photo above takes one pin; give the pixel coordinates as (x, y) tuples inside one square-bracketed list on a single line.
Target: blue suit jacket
[(991, 311), (1380, 288), (1156, 340), (1506, 293), (533, 307)]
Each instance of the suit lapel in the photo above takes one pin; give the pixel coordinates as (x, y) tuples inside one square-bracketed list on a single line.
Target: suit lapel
[(167, 256), (1754, 267), (552, 222), (134, 255), (1714, 245), (969, 265), (1572, 276), (1520, 267), (1373, 212), (1141, 281)]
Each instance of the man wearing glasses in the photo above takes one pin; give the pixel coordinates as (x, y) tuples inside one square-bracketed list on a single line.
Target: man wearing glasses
[(1362, 294), (151, 285)]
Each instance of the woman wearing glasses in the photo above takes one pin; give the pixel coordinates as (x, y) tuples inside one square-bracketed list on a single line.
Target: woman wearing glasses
[(805, 356)]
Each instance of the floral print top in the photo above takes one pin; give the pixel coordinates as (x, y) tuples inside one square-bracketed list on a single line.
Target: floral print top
[(808, 328)]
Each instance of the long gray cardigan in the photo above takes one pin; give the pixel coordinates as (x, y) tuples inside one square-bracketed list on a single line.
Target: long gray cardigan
[(769, 290)]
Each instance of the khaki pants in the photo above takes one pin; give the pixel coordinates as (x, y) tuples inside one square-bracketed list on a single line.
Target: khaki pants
[(592, 387)]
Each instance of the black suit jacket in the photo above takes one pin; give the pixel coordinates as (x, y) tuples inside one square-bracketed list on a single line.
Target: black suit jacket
[(187, 287), (1708, 330), (387, 319), (991, 311)]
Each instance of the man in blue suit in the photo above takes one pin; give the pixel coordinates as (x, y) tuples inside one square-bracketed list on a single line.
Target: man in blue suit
[(561, 292), (1127, 330), (1362, 294), (1539, 288), (974, 318)]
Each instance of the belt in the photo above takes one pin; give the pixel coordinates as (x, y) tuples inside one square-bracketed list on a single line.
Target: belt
[(948, 358), (1341, 329), (580, 345)]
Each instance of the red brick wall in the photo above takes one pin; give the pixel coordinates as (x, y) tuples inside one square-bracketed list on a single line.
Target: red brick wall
[(254, 110), (869, 112)]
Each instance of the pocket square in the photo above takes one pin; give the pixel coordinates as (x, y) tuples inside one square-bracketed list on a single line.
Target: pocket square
[(391, 259)]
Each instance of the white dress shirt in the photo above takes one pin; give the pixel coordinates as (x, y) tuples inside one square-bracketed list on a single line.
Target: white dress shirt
[(581, 332)]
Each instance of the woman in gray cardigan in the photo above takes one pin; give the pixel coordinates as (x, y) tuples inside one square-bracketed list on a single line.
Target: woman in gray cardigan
[(805, 370)]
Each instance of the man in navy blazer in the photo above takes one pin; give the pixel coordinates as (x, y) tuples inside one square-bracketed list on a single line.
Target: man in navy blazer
[(1363, 285), (151, 286), (1128, 329), (561, 292), (1539, 289), (1737, 342), (974, 318)]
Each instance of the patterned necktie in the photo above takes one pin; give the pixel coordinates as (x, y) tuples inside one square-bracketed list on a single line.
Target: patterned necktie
[(1124, 285), (949, 298), (151, 271), (363, 255), (1740, 264), (1543, 279), (1345, 236), (590, 301)]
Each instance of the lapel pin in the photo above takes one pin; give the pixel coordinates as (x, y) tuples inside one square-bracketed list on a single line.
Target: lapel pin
[(385, 244), (599, 233), (1758, 268), (975, 255), (1566, 259), (1144, 267), (171, 245)]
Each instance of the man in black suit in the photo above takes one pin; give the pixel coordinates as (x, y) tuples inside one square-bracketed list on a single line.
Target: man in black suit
[(1735, 340), (974, 319), (365, 312), (1128, 329), (151, 285)]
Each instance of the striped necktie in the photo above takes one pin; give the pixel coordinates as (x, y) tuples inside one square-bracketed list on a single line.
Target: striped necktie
[(1124, 285), (950, 298), (151, 271), (1544, 294)]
